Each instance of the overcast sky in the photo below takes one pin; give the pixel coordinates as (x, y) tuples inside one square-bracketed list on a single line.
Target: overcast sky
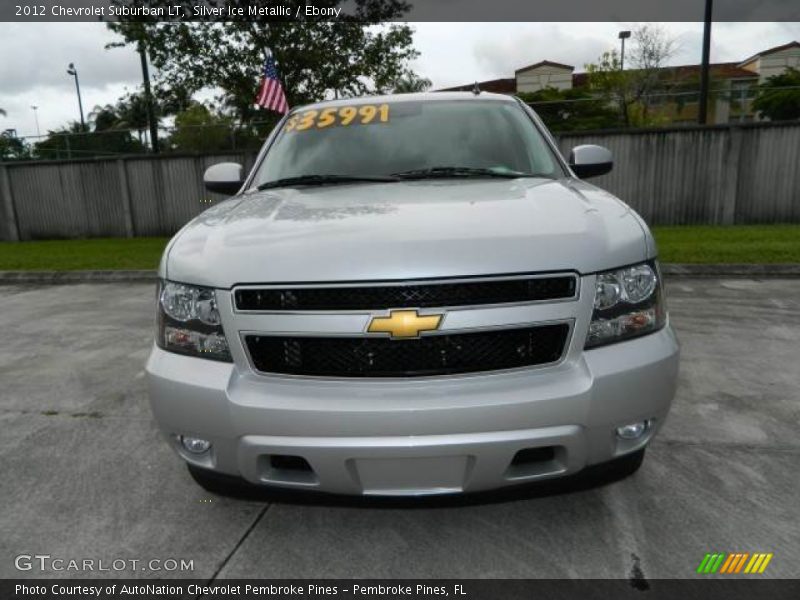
[(36, 55)]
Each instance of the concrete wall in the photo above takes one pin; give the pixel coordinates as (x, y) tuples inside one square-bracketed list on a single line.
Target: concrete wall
[(721, 175), (132, 196), (718, 175)]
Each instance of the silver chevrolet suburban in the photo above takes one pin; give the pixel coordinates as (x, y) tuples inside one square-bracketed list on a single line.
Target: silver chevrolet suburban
[(411, 295)]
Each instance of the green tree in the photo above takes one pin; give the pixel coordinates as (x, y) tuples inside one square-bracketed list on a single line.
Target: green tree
[(197, 129), (778, 98), (13, 148), (351, 56), (637, 89), (72, 141), (571, 110)]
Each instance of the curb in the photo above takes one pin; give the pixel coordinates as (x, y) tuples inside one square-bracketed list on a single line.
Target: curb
[(751, 271), (670, 270), (56, 277)]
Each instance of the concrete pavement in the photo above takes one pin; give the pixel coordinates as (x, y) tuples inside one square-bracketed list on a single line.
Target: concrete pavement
[(86, 475)]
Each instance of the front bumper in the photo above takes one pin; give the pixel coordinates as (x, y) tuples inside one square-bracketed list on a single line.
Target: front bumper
[(416, 436)]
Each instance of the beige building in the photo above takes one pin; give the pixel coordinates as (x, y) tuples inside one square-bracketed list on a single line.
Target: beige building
[(737, 80), (543, 74), (773, 61)]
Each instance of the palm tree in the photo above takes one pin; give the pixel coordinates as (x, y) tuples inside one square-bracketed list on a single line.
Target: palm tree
[(131, 110), (411, 83), (104, 118)]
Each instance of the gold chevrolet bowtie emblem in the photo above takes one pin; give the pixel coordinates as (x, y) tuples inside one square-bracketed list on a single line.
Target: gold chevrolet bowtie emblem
[(404, 323)]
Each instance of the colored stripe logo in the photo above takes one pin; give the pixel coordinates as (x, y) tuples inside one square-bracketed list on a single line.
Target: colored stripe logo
[(734, 563)]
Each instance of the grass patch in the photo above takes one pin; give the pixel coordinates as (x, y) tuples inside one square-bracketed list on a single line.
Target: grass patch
[(733, 244), (79, 255), (704, 244)]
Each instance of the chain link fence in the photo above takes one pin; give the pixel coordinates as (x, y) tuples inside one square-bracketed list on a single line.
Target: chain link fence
[(110, 143), (733, 105), (570, 111)]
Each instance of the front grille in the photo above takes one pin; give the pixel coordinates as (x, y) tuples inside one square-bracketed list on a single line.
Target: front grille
[(425, 356), (417, 295)]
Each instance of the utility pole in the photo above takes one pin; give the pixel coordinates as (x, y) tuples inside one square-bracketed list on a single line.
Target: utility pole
[(74, 72), (623, 35), (702, 113), (148, 98)]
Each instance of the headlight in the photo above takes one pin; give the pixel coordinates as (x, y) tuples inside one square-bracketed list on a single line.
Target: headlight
[(189, 321), (628, 302)]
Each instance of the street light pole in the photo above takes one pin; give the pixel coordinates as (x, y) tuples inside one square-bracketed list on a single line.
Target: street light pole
[(702, 113), (74, 72), (36, 118), (623, 35)]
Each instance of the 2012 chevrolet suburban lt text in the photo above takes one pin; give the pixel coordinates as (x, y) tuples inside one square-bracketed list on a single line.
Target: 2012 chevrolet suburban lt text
[(410, 295)]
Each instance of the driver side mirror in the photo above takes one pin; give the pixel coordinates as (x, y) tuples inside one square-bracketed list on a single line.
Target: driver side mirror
[(590, 161), (224, 178)]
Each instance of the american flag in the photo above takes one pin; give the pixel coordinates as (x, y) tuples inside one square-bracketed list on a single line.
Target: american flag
[(270, 94)]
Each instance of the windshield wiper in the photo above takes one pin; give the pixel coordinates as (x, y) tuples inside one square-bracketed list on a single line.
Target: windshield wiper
[(433, 172), (323, 180)]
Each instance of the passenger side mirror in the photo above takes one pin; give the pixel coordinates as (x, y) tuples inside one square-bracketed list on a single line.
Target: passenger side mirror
[(590, 161), (224, 178)]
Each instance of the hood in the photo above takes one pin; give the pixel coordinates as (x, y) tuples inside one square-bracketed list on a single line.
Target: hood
[(406, 230)]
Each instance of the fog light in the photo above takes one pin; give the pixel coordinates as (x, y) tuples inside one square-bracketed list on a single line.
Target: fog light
[(633, 431), (195, 445)]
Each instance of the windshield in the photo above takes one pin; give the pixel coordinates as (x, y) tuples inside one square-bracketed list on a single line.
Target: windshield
[(405, 138)]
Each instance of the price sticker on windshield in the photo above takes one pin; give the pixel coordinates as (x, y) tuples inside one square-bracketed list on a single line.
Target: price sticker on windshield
[(338, 116)]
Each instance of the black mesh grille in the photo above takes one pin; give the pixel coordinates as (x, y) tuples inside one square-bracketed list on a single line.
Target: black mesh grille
[(429, 355), (417, 295)]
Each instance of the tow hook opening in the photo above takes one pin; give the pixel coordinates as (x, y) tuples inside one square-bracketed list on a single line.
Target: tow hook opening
[(287, 468), (538, 461), (286, 462), (534, 455)]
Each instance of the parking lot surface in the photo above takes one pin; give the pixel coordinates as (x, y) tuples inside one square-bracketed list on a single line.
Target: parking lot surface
[(85, 473)]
